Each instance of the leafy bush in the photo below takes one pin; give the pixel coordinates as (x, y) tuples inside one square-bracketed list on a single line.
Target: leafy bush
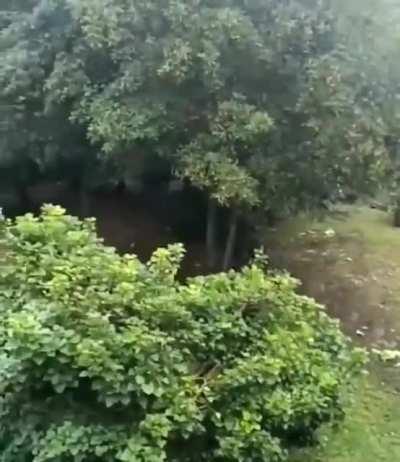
[(104, 358)]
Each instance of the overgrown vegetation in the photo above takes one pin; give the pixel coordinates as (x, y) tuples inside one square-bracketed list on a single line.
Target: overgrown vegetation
[(262, 109), (106, 358)]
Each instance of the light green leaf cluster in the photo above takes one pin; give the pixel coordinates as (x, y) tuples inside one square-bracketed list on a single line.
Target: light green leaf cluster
[(218, 174), (122, 125)]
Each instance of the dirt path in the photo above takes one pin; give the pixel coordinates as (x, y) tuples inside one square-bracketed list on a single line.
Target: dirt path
[(351, 263)]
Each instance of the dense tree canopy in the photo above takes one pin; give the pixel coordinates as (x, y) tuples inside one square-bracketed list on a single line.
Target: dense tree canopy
[(87, 83)]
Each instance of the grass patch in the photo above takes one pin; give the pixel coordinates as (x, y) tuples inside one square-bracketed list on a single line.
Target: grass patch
[(350, 262), (370, 432)]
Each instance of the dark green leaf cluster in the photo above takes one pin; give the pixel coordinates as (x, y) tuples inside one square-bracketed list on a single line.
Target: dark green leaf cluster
[(105, 358), (80, 79)]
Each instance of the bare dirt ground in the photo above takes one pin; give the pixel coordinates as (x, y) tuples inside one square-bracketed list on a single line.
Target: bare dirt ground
[(351, 263)]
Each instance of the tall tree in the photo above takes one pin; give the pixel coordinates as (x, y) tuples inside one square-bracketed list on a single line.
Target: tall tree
[(175, 68), (220, 162), (156, 77)]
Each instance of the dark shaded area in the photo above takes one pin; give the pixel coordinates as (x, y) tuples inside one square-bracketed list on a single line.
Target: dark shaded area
[(164, 212)]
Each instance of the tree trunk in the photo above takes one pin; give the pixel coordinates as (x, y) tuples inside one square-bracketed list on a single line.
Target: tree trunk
[(24, 200), (211, 239), (231, 241), (84, 202), (397, 216)]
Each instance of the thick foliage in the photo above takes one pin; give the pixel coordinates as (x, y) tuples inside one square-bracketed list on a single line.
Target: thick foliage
[(137, 76), (220, 161), (104, 358)]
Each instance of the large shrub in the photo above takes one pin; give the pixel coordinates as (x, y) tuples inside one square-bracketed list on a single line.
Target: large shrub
[(104, 358)]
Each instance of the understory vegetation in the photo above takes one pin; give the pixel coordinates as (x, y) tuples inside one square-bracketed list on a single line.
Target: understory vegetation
[(106, 358)]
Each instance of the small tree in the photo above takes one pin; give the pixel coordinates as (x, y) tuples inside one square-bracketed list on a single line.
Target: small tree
[(105, 358), (220, 162)]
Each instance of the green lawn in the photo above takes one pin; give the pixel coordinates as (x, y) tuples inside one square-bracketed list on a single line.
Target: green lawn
[(351, 263), (370, 432)]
